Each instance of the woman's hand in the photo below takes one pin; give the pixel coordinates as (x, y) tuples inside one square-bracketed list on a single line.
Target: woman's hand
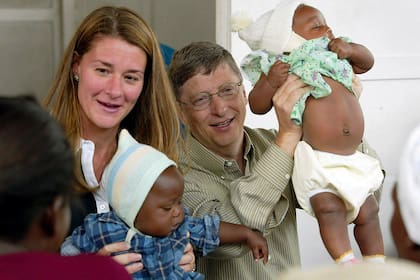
[(187, 261), (283, 101), (131, 261)]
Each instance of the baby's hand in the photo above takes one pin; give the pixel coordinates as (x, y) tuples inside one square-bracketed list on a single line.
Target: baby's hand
[(341, 48), (258, 245), (278, 74)]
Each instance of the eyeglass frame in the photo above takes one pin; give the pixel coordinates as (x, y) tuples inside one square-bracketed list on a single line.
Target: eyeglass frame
[(210, 96)]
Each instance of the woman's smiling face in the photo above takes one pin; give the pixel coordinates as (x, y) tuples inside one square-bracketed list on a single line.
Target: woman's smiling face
[(111, 77)]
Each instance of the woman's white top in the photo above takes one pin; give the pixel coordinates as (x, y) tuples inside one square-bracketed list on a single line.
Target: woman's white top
[(87, 148)]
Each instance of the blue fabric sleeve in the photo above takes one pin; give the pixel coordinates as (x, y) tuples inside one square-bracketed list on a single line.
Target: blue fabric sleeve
[(205, 233), (97, 231)]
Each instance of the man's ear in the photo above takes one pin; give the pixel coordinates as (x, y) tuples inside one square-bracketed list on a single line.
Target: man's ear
[(50, 217), (244, 94), (181, 115)]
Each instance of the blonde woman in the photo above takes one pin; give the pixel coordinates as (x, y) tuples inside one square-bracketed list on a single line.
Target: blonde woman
[(113, 76)]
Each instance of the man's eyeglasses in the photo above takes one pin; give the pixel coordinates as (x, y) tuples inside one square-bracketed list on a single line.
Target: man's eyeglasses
[(201, 101)]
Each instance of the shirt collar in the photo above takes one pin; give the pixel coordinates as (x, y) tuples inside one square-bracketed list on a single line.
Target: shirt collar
[(87, 148), (212, 161), (86, 151)]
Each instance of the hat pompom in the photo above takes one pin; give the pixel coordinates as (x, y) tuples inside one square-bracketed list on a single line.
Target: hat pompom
[(271, 31), (239, 21)]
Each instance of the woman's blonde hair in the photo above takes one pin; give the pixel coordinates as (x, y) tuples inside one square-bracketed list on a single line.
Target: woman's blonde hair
[(153, 120)]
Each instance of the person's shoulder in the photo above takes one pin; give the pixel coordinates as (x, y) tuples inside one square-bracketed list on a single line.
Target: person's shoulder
[(259, 139), (260, 134), (414, 136), (41, 265), (411, 150), (99, 225), (110, 218)]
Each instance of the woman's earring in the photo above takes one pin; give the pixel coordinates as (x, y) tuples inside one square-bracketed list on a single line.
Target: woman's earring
[(76, 77)]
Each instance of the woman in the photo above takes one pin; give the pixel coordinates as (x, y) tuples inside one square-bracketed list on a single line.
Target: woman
[(112, 76)]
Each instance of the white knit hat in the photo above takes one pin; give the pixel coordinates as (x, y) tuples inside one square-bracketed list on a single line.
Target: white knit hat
[(130, 175), (273, 30)]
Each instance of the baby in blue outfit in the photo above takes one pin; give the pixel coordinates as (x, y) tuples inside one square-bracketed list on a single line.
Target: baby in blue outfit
[(145, 190)]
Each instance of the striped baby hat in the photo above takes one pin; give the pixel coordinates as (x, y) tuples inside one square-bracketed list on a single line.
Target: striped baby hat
[(130, 175)]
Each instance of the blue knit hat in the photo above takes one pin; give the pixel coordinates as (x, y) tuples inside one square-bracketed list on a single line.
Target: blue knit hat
[(130, 175)]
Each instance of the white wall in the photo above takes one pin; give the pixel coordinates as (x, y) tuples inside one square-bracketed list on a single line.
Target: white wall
[(175, 23), (391, 95)]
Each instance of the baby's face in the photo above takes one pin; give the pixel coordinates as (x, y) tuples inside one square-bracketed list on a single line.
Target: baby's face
[(309, 23), (162, 211)]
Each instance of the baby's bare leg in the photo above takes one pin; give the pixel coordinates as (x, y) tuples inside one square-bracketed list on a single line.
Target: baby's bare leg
[(367, 229), (330, 212)]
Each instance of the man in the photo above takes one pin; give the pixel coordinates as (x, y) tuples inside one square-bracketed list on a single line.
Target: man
[(239, 173)]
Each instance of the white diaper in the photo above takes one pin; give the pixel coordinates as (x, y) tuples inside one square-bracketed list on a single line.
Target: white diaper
[(353, 177)]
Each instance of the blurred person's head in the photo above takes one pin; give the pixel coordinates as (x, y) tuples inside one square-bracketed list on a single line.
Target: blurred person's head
[(36, 166)]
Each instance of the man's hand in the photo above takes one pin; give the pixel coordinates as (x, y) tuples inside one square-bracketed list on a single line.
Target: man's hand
[(284, 99)]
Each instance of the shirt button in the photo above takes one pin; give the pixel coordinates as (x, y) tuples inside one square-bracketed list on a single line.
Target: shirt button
[(102, 206), (287, 176), (228, 163)]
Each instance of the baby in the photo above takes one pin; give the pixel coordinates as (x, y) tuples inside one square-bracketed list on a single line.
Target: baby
[(332, 180), (145, 190)]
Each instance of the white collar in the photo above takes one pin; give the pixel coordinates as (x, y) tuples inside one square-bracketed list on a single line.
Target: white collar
[(87, 151), (87, 148)]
